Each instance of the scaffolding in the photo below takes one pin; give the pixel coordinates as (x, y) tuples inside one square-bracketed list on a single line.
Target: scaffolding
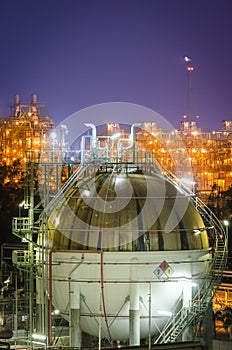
[(209, 153)]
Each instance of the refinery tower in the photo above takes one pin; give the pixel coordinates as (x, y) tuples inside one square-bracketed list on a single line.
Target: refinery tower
[(125, 253)]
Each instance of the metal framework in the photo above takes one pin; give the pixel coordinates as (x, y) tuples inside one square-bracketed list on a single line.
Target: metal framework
[(52, 187)]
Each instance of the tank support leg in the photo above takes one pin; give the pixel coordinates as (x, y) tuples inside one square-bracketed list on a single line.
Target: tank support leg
[(75, 330), (187, 297), (207, 333), (134, 327)]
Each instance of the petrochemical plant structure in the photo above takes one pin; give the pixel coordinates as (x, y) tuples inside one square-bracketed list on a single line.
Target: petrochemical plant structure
[(118, 246)]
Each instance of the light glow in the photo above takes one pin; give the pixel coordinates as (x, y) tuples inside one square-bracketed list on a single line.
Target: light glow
[(187, 181), (39, 336), (115, 135), (164, 313), (187, 59)]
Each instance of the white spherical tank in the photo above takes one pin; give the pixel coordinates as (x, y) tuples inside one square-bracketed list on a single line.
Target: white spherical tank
[(125, 249)]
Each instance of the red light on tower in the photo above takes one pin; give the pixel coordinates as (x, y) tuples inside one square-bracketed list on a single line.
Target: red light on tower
[(190, 68)]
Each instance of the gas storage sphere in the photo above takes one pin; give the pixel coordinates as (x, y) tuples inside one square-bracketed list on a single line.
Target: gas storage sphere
[(127, 245)]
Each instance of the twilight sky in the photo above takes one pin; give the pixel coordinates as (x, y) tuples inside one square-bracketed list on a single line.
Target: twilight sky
[(77, 53)]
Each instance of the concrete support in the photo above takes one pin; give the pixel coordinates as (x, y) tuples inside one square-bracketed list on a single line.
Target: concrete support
[(39, 307), (134, 327), (134, 313), (187, 299), (207, 333), (74, 314)]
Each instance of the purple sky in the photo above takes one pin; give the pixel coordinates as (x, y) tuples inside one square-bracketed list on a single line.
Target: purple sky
[(77, 53)]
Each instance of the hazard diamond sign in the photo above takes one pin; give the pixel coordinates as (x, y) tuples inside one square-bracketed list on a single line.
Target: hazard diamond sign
[(163, 270), (164, 265), (158, 272)]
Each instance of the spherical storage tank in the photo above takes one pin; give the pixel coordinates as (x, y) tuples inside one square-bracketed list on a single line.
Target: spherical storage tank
[(126, 248)]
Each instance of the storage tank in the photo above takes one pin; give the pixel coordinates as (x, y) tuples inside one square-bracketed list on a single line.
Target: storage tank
[(128, 251)]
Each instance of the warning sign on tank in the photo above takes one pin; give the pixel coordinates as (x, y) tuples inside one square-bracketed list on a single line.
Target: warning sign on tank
[(164, 270)]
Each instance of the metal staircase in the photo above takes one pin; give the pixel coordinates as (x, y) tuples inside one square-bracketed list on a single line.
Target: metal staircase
[(194, 313)]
